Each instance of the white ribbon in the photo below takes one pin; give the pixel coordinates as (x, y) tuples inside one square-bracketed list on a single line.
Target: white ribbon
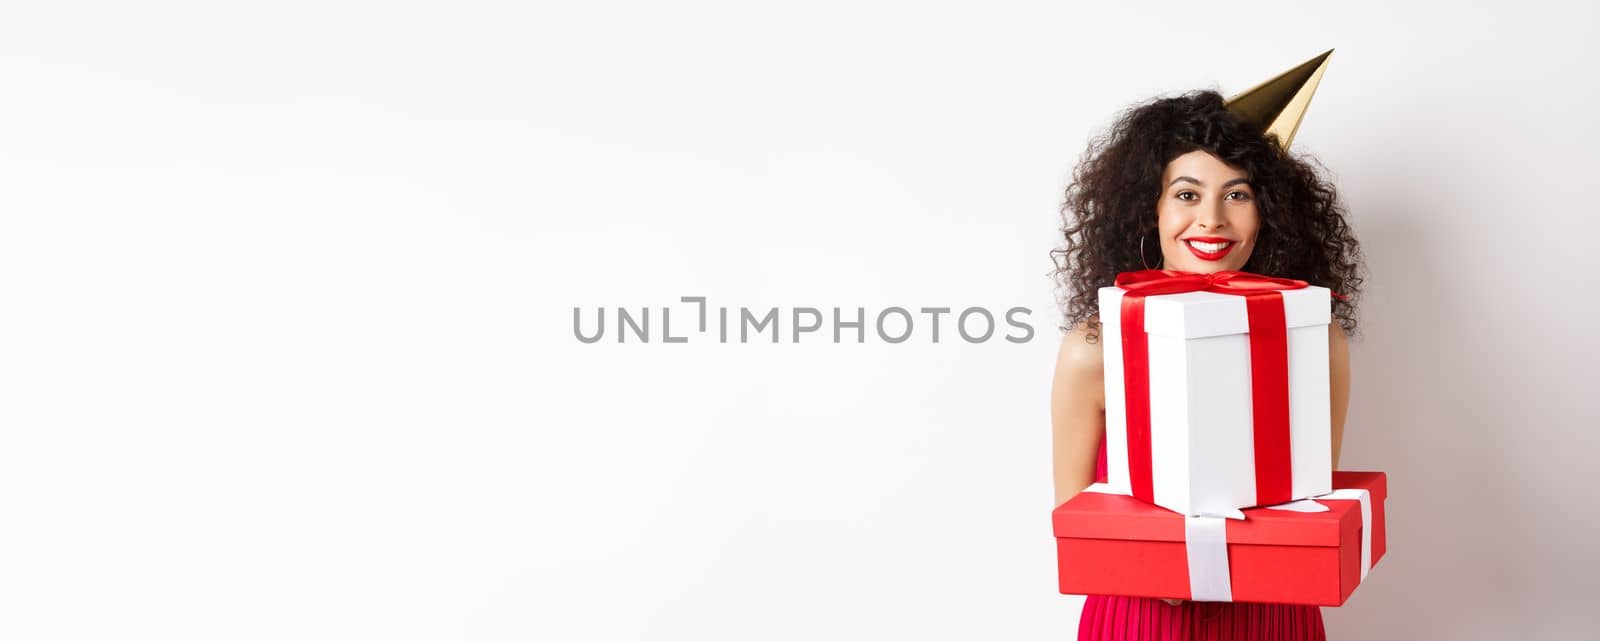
[(1206, 540)]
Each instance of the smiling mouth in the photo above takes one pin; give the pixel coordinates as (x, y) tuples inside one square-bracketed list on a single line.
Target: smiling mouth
[(1208, 248)]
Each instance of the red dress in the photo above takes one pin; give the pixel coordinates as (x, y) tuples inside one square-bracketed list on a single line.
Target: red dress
[(1122, 618)]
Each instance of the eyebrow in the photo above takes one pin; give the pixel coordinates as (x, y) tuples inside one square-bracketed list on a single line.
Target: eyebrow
[(1225, 185)]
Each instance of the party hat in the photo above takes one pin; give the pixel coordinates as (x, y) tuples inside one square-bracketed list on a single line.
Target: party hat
[(1278, 105)]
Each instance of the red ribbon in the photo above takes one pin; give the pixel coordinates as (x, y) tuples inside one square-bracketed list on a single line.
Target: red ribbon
[(1269, 370)]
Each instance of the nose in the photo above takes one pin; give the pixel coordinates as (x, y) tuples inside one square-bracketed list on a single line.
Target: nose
[(1211, 217)]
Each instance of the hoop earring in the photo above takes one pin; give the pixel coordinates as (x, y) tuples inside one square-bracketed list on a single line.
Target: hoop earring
[(1145, 262)]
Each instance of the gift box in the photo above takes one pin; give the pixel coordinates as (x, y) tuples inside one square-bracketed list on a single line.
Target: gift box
[(1216, 389), (1117, 545)]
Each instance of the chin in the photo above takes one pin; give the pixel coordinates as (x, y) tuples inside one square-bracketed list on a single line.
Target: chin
[(1198, 266)]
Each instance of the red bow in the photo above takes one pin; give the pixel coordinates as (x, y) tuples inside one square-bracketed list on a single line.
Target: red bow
[(1154, 282)]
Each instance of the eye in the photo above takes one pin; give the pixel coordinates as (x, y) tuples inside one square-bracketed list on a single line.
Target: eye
[(1187, 195), (1239, 195)]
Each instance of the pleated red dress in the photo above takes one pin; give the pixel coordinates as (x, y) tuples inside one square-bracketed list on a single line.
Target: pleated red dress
[(1122, 618)]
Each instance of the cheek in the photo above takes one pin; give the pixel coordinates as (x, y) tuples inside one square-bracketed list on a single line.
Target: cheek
[(1246, 221), (1169, 223), (1250, 229)]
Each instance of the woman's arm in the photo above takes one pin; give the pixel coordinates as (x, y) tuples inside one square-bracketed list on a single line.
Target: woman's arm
[(1077, 413), (1339, 379)]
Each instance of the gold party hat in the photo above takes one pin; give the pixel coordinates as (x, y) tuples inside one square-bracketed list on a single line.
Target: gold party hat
[(1277, 105)]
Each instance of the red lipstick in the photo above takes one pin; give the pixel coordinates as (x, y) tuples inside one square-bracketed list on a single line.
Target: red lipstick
[(1227, 246)]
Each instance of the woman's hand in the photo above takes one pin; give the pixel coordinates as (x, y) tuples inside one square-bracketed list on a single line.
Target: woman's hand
[(1173, 602)]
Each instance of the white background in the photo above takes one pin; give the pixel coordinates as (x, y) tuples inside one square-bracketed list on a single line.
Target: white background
[(286, 295)]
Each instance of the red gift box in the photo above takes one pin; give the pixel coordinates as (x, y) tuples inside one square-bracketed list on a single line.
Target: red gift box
[(1118, 545)]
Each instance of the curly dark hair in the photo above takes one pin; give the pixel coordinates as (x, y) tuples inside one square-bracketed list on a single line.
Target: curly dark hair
[(1111, 204)]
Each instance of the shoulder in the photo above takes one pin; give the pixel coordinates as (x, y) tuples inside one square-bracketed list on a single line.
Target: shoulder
[(1080, 354), (1080, 372)]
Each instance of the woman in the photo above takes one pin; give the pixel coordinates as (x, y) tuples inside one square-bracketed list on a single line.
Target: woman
[(1184, 184)]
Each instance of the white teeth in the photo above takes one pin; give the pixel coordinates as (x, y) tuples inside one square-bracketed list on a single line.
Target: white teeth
[(1209, 248)]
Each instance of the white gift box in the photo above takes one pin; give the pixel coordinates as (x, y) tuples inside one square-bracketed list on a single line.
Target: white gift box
[(1202, 442)]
